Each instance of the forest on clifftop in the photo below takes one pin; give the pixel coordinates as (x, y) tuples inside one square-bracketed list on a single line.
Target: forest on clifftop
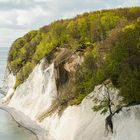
[(110, 40)]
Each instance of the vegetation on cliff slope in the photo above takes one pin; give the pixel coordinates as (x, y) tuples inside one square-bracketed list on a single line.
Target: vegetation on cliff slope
[(110, 40)]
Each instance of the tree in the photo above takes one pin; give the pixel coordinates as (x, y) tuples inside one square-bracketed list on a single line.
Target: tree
[(105, 102)]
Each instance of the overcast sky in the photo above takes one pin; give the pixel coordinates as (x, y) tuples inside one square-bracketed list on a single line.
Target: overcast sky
[(20, 16)]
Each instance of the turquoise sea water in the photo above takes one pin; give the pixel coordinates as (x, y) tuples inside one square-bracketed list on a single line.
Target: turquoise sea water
[(9, 129)]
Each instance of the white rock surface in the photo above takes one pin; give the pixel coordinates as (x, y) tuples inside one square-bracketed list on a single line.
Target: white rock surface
[(8, 85), (80, 122), (36, 94), (127, 124)]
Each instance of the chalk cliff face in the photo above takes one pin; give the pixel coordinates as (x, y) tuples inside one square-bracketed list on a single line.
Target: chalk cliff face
[(8, 85), (35, 96), (38, 93)]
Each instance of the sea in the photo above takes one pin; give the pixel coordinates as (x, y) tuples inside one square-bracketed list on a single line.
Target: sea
[(9, 129)]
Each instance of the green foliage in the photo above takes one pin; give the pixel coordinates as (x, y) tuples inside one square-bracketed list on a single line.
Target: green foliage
[(110, 40), (129, 82), (77, 100), (88, 76), (123, 63), (42, 50), (24, 72), (101, 106)]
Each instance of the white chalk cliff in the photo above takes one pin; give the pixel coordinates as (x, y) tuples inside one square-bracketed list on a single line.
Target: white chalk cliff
[(78, 122)]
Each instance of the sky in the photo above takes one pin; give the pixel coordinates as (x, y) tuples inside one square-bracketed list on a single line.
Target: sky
[(17, 17)]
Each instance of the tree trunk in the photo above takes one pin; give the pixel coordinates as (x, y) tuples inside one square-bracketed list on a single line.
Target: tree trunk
[(109, 101)]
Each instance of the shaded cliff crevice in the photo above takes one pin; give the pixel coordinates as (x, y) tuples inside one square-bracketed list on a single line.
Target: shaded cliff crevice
[(66, 66)]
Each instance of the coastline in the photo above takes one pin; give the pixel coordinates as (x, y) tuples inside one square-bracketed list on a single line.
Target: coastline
[(26, 122)]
